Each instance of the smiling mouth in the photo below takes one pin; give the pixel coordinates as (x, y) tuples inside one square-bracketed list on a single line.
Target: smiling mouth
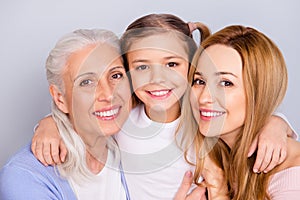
[(207, 115), (160, 93), (107, 114)]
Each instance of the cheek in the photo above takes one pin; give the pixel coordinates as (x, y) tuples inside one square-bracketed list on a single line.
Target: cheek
[(194, 96)]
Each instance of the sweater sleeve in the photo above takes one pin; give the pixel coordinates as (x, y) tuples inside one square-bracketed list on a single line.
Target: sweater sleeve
[(282, 116), (20, 184), (285, 184)]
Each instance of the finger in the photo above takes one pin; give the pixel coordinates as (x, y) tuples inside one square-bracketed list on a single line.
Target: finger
[(185, 186), (267, 159), (39, 153), (274, 160), (54, 150), (259, 158), (283, 155), (197, 194), (253, 147), (47, 153), (63, 151)]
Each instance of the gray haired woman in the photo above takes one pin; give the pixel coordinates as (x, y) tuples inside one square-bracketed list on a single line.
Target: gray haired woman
[(91, 101)]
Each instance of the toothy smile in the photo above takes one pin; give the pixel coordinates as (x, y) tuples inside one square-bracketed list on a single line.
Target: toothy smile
[(159, 93), (107, 113), (211, 113)]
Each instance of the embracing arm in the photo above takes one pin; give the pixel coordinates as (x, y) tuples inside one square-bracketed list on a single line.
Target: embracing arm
[(271, 144), (47, 145)]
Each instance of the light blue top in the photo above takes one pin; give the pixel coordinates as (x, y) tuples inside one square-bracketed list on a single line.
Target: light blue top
[(24, 177)]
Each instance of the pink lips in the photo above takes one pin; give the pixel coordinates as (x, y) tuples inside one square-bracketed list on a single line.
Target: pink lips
[(207, 115), (159, 94)]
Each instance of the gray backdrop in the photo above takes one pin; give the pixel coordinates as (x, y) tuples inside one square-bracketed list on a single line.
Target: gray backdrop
[(29, 29)]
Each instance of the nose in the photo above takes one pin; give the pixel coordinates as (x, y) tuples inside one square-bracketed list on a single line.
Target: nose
[(104, 91), (157, 74), (206, 95)]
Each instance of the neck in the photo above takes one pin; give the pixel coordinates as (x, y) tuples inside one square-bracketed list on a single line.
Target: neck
[(163, 115), (96, 156)]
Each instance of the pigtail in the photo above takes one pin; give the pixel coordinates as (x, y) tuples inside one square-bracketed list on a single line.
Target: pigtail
[(202, 28)]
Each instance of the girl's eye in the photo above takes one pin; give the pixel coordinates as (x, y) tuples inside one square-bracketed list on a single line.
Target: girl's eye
[(117, 76), (226, 83), (172, 64), (86, 82), (142, 67)]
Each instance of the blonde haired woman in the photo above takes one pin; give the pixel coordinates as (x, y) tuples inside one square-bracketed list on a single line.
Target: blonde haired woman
[(239, 80)]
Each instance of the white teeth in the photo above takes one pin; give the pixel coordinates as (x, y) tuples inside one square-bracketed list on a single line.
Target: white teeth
[(108, 113), (211, 114), (160, 93)]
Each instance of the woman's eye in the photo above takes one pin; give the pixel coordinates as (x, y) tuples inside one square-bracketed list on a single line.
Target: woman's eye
[(142, 67), (198, 82), (86, 82), (226, 83), (172, 64), (117, 76)]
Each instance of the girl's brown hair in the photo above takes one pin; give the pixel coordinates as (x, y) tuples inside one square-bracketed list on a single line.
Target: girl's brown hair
[(162, 23), (265, 80)]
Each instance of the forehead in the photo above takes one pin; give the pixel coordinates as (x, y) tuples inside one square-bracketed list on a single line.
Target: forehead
[(220, 58), (94, 58), (163, 42)]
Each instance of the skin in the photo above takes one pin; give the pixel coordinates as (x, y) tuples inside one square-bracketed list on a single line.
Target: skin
[(219, 93), (97, 98), (158, 66)]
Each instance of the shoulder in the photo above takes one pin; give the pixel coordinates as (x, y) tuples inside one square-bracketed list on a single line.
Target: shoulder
[(23, 177), (285, 184)]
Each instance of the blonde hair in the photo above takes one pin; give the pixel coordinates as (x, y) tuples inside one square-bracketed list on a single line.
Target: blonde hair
[(75, 166), (265, 79)]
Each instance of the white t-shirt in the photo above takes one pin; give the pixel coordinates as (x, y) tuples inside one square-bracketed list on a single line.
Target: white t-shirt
[(152, 162), (106, 185)]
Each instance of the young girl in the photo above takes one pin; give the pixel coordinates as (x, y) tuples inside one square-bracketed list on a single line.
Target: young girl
[(158, 50), (240, 64)]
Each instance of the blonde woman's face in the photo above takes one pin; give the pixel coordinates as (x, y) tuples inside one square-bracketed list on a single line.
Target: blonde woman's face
[(158, 66), (97, 92), (218, 95)]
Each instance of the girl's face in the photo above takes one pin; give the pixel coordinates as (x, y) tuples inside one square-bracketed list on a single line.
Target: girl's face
[(218, 96), (97, 92), (158, 66)]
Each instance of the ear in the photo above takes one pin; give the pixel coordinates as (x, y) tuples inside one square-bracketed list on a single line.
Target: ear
[(59, 99)]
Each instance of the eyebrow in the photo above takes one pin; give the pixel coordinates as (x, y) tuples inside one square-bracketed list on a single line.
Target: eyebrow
[(164, 58), (217, 73)]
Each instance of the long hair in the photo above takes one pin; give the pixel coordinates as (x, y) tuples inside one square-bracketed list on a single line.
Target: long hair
[(265, 81), (75, 166), (153, 24)]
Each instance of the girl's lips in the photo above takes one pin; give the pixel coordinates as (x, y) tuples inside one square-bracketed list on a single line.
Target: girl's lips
[(159, 94), (108, 114), (206, 114)]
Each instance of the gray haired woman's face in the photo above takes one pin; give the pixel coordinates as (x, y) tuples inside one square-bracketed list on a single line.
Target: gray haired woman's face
[(97, 92)]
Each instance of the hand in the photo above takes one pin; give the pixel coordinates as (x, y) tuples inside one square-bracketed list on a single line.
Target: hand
[(182, 194), (215, 180), (47, 145), (272, 145)]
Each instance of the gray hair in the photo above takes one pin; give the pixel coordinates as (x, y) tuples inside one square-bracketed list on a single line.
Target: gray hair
[(75, 166)]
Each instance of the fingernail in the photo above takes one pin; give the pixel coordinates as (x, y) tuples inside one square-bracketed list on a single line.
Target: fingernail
[(255, 170), (188, 174), (265, 171)]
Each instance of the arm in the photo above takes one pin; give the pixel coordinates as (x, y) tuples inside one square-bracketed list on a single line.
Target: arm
[(47, 145), (271, 144)]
